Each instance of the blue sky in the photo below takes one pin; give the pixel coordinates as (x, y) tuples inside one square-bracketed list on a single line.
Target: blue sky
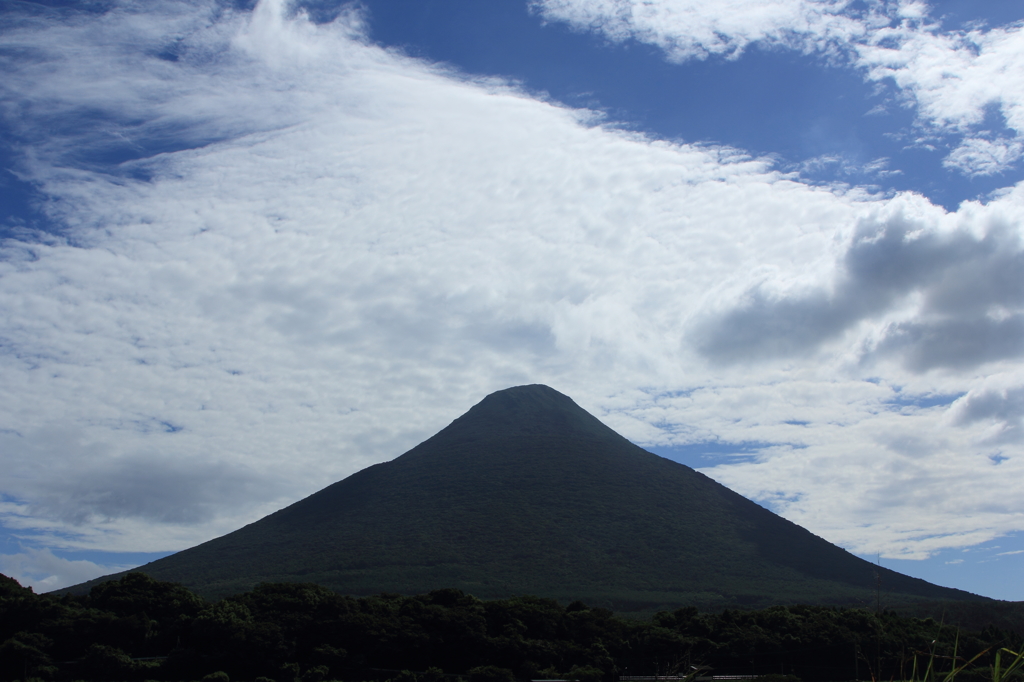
[(771, 102), (249, 249)]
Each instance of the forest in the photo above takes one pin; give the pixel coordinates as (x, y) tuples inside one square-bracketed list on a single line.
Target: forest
[(137, 629)]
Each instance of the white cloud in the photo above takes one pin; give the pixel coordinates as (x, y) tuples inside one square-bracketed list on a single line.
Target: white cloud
[(41, 570), (348, 248), (977, 156), (844, 166), (997, 402), (954, 79), (696, 29)]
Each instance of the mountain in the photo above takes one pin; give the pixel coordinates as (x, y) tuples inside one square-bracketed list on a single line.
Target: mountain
[(527, 493)]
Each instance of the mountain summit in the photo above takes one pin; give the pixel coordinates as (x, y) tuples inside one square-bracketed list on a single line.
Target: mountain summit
[(527, 493)]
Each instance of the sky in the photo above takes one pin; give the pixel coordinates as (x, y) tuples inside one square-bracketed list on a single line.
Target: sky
[(248, 249)]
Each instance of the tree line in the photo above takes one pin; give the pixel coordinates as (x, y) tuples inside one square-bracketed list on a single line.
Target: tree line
[(137, 629)]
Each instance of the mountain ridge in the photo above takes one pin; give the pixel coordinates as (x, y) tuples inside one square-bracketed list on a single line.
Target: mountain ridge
[(527, 493)]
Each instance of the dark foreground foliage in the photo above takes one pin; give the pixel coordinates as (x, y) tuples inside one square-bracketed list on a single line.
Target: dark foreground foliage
[(140, 629)]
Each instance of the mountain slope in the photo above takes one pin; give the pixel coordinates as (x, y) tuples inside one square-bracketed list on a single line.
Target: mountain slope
[(528, 493)]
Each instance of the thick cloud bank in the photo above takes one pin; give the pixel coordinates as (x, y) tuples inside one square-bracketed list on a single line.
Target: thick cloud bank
[(969, 282), (282, 254)]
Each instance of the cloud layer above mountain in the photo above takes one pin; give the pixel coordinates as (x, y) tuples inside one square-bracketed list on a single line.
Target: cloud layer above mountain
[(276, 253)]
